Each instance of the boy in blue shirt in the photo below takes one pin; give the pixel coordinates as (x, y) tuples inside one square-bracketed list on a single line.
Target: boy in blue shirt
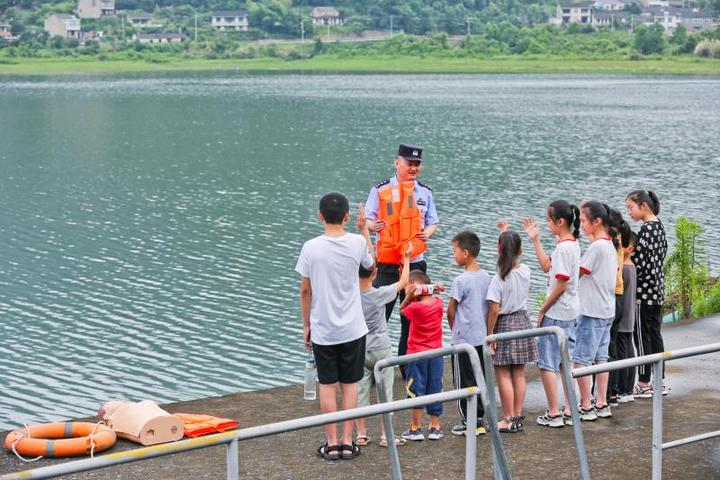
[(467, 315)]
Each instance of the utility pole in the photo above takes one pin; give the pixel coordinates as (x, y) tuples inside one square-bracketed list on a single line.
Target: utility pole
[(196, 28), (302, 31), (391, 26), (467, 22), (122, 20), (328, 31)]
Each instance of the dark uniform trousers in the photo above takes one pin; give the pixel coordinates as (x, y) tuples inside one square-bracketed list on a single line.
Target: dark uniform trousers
[(387, 275)]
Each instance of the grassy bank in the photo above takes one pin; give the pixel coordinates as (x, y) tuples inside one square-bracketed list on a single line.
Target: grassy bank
[(380, 64)]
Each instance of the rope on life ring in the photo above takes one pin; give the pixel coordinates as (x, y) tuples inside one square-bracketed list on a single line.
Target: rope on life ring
[(60, 439)]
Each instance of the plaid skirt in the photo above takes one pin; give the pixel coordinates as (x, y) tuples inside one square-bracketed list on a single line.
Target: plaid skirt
[(519, 351)]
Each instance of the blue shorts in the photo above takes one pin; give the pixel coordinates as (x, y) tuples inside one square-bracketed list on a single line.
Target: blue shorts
[(425, 377), (548, 346), (592, 339)]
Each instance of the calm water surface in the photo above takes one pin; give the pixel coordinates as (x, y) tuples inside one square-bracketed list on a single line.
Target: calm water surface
[(150, 223)]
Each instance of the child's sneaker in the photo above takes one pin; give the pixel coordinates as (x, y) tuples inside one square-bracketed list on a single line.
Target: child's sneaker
[(461, 429), (603, 412), (435, 434), (587, 415), (414, 434), (665, 389), (612, 400), (642, 392), (625, 398), (553, 421), (567, 419)]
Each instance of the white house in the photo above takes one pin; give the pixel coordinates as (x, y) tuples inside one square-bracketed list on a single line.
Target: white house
[(94, 9), (139, 19), (612, 5), (161, 37), (580, 12), (326, 16), (693, 20), (66, 26), (5, 30), (230, 20)]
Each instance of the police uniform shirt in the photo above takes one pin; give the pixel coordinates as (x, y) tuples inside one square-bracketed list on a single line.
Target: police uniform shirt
[(423, 198)]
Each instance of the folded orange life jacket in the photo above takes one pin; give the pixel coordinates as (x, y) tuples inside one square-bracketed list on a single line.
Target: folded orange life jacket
[(403, 221), (196, 425)]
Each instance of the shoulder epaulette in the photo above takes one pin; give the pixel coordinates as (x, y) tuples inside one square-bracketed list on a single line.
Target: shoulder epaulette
[(378, 185), (423, 185)]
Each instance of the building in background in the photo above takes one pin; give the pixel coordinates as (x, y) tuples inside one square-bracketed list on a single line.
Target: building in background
[(230, 20), (161, 37), (694, 20), (66, 26), (568, 13), (327, 16), (94, 9)]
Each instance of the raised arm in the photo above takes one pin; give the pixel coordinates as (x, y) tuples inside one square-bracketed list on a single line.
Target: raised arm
[(533, 232), (405, 273)]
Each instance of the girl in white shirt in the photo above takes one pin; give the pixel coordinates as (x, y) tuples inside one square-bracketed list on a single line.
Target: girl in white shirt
[(561, 306), (508, 296)]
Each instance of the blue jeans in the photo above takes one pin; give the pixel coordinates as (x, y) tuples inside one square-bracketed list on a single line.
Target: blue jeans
[(548, 346), (425, 377), (592, 339)]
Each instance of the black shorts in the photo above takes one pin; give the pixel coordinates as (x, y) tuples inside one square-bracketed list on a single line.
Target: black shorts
[(342, 362)]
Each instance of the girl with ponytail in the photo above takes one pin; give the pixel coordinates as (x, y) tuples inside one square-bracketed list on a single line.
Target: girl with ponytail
[(596, 290), (561, 306), (649, 258), (507, 301)]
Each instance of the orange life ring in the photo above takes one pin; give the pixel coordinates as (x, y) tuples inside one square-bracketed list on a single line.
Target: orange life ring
[(60, 439)]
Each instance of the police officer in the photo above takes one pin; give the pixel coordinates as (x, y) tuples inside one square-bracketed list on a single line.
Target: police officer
[(407, 168)]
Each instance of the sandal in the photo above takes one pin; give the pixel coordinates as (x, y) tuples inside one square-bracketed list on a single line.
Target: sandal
[(362, 440), (511, 428), (328, 452), (398, 441), (518, 422), (348, 452)]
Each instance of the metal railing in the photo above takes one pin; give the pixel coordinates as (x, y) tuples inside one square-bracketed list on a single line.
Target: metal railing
[(657, 360), (231, 439), (564, 368), (500, 467)]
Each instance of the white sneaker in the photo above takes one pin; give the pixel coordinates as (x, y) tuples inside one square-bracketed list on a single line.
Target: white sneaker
[(625, 398), (548, 420), (603, 412), (587, 415)]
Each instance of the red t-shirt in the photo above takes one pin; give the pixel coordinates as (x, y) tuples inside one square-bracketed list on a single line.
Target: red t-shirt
[(425, 325)]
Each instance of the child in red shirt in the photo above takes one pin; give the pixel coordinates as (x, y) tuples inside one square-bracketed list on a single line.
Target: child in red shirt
[(424, 377)]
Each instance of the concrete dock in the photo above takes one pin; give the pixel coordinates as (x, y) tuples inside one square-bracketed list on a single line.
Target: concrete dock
[(618, 448)]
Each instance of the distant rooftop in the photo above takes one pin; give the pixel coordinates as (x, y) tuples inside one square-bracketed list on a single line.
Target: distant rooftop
[(229, 13), (139, 16), (325, 12)]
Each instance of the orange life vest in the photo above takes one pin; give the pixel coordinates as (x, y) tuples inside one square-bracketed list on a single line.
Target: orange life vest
[(196, 425), (403, 221)]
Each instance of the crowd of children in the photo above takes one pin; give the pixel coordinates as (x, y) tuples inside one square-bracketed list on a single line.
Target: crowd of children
[(607, 301)]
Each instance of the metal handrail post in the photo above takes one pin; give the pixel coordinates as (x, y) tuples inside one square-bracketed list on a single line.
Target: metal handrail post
[(565, 367), (657, 421), (233, 461), (470, 438), (389, 431), (481, 387), (562, 340), (491, 412)]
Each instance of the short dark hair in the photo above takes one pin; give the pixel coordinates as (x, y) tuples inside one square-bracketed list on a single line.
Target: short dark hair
[(468, 240), (419, 276), (333, 207), (630, 240), (366, 272)]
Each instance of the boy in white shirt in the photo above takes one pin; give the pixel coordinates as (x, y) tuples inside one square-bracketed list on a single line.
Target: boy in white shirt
[(333, 322)]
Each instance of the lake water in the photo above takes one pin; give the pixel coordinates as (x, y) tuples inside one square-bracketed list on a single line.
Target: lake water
[(150, 223)]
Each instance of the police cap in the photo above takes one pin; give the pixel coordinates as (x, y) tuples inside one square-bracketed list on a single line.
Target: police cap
[(410, 152)]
